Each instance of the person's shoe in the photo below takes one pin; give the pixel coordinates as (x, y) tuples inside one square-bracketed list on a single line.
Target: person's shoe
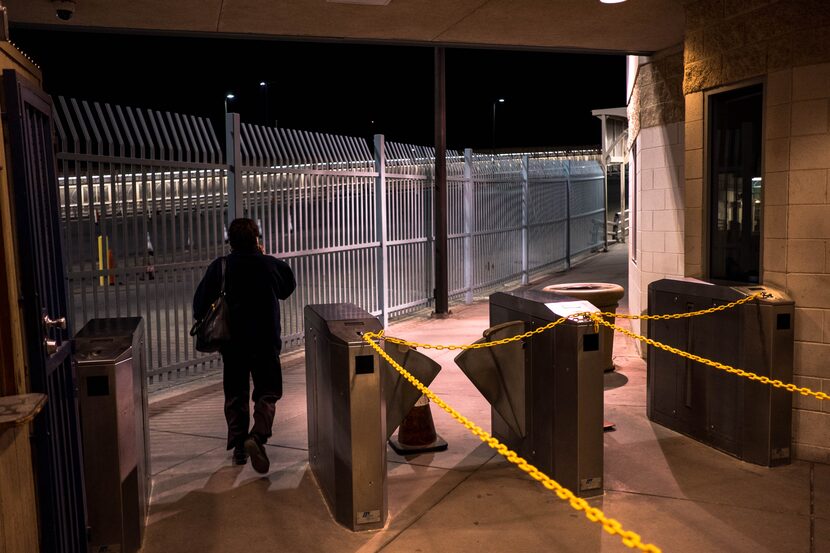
[(259, 459), (240, 456)]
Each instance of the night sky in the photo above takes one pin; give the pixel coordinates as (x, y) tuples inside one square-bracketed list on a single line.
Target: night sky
[(340, 88)]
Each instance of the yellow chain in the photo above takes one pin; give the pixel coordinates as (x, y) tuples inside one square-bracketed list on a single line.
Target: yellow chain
[(549, 326), (610, 525), (728, 368), (527, 334), (715, 309)]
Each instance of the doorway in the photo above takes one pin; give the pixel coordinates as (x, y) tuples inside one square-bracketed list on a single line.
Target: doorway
[(735, 184)]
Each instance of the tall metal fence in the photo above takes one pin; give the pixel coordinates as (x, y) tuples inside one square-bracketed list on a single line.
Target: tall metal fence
[(145, 200), (143, 205)]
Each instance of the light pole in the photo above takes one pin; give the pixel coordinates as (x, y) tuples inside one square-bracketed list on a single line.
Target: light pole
[(263, 86), (493, 136), (228, 96)]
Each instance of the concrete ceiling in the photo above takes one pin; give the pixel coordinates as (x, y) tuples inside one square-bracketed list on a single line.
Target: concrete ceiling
[(635, 26)]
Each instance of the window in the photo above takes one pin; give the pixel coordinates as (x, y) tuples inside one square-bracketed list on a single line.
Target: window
[(735, 184)]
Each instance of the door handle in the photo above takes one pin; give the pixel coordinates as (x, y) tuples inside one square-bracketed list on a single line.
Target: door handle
[(51, 346), (60, 322)]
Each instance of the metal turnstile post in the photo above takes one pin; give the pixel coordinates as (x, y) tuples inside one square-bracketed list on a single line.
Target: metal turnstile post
[(346, 416), (747, 419), (112, 401), (546, 397)]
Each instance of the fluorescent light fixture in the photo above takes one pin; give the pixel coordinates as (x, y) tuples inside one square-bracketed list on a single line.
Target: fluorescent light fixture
[(364, 2), (612, 1)]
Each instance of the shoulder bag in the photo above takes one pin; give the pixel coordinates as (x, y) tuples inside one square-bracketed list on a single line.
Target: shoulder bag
[(213, 331)]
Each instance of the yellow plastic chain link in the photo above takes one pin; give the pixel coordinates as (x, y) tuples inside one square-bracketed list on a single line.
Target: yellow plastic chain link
[(527, 334), (715, 309), (728, 368), (610, 525)]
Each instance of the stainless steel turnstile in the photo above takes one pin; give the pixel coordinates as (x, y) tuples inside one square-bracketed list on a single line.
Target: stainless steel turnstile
[(346, 419), (546, 395), (747, 419), (112, 401), (355, 402)]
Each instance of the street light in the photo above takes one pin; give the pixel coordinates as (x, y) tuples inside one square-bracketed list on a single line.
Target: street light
[(228, 96), (493, 137), (263, 86)]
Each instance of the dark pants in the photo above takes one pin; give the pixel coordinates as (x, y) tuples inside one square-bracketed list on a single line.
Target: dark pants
[(264, 368)]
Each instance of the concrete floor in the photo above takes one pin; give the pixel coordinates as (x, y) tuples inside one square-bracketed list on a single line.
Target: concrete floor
[(675, 492)]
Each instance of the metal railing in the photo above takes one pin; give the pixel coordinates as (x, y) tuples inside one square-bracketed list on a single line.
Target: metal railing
[(146, 195), (618, 228)]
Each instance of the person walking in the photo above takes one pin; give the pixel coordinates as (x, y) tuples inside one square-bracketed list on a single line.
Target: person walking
[(254, 284)]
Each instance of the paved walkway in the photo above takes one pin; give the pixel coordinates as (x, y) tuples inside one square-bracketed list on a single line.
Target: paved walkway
[(675, 492)]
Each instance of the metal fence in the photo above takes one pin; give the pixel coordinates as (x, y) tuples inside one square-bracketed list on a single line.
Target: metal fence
[(146, 195), (143, 209)]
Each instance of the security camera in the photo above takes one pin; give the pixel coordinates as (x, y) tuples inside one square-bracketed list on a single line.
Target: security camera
[(64, 9)]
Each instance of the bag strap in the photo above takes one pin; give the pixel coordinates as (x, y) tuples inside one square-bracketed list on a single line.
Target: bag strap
[(224, 262)]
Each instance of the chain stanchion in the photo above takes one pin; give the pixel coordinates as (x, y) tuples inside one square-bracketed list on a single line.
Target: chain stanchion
[(803, 390), (609, 525)]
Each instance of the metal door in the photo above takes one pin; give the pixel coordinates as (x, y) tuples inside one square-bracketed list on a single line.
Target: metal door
[(56, 445)]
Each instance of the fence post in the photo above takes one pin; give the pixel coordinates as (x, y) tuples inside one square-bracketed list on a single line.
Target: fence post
[(442, 306), (568, 214), (233, 157), (380, 212), (467, 214), (525, 198), (606, 156)]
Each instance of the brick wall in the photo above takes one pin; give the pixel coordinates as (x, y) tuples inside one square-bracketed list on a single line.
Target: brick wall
[(787, 45)]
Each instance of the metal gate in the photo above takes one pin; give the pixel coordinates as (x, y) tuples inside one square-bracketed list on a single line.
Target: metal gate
[(143, 207), (57, 449)]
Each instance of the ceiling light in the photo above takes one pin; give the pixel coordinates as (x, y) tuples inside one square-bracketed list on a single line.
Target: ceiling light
[(612, 1), (364, 2)]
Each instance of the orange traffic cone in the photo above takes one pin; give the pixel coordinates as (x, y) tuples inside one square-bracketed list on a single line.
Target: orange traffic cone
[(417, 432)]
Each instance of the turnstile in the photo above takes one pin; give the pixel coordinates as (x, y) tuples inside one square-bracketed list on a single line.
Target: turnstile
[(346, 419), (112, 401), (355, 402), (744, 418), (546, 394)]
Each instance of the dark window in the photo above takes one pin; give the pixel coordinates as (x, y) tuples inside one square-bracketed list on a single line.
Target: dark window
[(735, 184)]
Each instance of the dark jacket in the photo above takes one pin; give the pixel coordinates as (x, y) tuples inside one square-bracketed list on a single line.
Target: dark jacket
[(253, 285)]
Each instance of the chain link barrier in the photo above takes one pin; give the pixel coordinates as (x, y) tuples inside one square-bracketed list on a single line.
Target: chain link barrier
[(439, 347), (668, 316), (611, 526), (721, 366)]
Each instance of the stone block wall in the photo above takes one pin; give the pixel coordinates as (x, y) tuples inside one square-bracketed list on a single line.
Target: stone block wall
[(785, 45), (656, 132)]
